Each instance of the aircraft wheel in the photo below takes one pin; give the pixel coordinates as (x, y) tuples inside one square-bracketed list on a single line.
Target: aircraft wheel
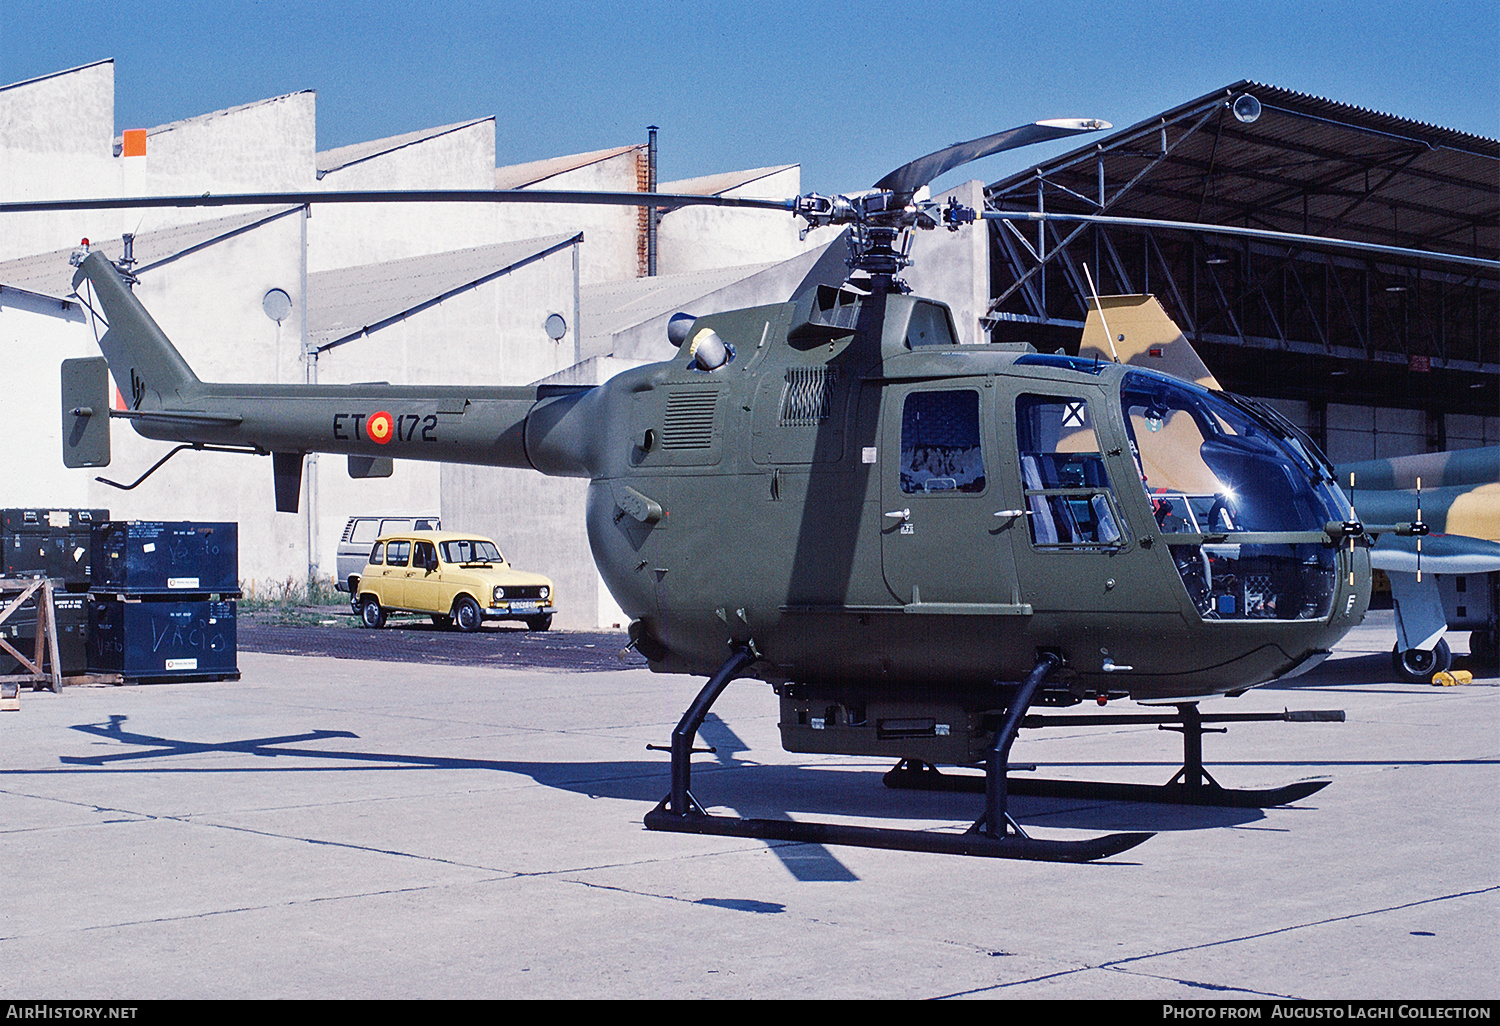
[(1482, 648), (467, 615), (1417, 667), (539, 623), (370, 613), (439, 620)]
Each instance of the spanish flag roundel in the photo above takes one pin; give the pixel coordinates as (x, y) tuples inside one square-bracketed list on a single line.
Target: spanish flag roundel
[(378, 427)]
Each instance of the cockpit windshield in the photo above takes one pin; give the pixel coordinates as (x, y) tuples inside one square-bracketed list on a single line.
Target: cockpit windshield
[(1213, 465)]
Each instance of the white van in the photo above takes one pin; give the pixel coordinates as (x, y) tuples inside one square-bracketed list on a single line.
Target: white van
[(360, 534)]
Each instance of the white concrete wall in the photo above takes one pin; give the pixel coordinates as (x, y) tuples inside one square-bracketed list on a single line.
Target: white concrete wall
[(699, 238), (342, 235), (611, 234), (36, 335), (490, 335), (258, 147), (56, 137), (209, 304), (954, 267), (647, 339)]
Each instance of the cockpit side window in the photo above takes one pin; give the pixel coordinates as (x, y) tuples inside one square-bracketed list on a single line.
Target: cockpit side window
[(1068, 497)]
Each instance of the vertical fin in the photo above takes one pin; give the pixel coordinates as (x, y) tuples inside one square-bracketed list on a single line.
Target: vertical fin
[(1143, 336), (141, 357), (287, 467)]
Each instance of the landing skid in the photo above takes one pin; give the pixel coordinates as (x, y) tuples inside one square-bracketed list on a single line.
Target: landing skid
[(1192, 785), (995, 835), (1012, 846)]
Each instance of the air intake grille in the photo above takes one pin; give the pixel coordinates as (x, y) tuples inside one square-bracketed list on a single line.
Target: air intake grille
[(804, 398), (689, 423)]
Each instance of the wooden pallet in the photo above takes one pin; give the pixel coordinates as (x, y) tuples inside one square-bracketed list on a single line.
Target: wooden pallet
[(45, 649)]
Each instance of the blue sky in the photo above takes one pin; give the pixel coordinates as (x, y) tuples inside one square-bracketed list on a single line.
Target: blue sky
[(849, 90)]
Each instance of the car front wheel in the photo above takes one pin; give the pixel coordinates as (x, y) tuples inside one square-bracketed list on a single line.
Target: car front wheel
[(370, 613), (466, 614)]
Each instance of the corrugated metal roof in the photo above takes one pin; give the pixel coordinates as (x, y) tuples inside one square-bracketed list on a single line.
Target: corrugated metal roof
[(519, 176), (50, 274), (609, 307), (345, 303), (1308, 165), (343, 156)]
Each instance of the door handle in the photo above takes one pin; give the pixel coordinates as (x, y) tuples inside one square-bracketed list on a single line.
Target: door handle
[(899, 514)]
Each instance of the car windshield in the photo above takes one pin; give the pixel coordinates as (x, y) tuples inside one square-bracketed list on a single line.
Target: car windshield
[(470, 550)]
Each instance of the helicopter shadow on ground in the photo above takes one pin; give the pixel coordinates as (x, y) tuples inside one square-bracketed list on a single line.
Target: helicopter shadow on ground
[(726, 785), (643, 782)]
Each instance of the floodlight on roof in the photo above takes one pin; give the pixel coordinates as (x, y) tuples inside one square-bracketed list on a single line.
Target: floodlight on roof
[(1246, 108)]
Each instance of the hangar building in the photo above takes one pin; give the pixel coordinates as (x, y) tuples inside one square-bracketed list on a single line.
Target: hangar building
[(1373, 352)]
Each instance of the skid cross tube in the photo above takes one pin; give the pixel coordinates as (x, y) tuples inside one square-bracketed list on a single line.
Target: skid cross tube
[(680, 812), (1190, 785)]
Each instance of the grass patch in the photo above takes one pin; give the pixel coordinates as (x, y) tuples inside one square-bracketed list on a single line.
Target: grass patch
[(288, 599)]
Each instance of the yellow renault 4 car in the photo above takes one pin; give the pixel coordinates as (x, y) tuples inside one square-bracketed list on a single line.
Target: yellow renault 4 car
[(456, 578)]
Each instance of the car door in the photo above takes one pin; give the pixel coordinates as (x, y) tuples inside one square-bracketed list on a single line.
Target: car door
[(425, 591), (391, 586)]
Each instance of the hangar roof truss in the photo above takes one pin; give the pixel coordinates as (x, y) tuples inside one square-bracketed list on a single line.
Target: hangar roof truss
[(1306, 166)]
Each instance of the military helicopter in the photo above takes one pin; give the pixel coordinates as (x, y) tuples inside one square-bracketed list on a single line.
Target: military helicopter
[(913, 541)]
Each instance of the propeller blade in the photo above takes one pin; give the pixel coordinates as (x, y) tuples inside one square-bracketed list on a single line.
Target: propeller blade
[(908, 178), (1419, 537), (1355, 517)]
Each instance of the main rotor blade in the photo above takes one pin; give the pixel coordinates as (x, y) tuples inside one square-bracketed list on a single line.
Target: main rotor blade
[(262, 199), (908, 178), (1285, 238)]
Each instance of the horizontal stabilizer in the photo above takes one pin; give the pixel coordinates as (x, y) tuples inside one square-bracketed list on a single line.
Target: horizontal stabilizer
[(85, 412)]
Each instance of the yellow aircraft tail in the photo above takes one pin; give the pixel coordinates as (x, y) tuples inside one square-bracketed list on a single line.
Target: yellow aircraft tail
[(1143, 336)]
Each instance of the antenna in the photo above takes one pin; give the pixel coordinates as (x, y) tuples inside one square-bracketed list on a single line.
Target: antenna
[(1100, 307)]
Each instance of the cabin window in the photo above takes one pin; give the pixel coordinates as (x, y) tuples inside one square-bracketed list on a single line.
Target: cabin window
[(397, 553), (940, 449), (1068, 499), (426, 555)]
